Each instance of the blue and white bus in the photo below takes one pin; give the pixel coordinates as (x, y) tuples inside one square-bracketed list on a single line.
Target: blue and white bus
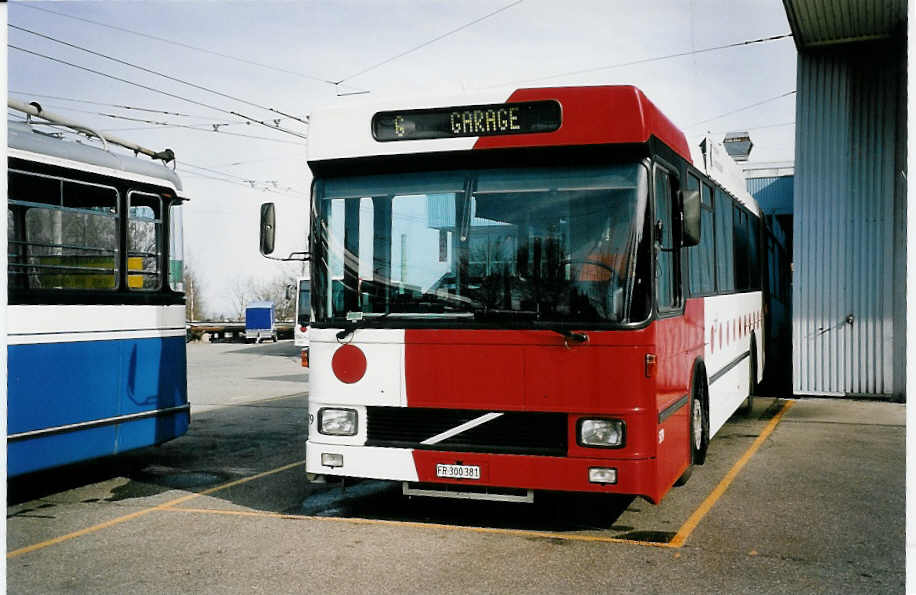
[(96, 321)]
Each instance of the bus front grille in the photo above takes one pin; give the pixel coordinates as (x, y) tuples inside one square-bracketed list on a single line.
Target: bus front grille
[(512, 432)]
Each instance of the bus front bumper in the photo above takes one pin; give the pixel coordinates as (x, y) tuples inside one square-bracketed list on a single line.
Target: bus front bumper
[(574, 474)]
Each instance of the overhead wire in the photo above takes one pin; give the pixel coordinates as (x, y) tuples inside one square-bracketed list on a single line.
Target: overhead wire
[(748, 128), (203, 129), (244, 183), (145, 121), (127, 107), (426, 43), (153, 89), (180, 44), (161, 127), (645, 60), (740, 109), (163, 75), (211, 127), (248, 181)]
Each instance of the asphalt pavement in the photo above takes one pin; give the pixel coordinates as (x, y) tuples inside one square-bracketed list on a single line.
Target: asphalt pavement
[(802, 496)]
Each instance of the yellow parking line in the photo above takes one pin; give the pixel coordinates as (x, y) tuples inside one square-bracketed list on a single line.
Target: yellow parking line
[(139, 513), (676, 542), (75, 534), (694, 520), (417, 524)]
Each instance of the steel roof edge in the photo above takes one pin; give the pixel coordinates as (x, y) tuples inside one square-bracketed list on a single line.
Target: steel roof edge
[(24, 143), (816, 23)]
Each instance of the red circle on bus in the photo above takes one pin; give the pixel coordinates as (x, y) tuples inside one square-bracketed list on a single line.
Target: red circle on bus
[(349, 364)]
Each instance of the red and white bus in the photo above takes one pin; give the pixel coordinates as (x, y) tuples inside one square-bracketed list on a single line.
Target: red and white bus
[(533, 292)]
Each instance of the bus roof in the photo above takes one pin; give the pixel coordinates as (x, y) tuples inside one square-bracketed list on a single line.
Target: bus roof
[(590, 116), (26, 143)]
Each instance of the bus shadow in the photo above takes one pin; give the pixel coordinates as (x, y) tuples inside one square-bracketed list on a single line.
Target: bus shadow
[(237, 442), (221, 445), (550, 511), (282, 348)]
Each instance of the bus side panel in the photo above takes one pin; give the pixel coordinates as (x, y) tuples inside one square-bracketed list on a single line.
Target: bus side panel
[(59, 384), (731, 321), (679, 341), (153, 376), (151, 431), (55, 384), (26, 456), (152, 373)]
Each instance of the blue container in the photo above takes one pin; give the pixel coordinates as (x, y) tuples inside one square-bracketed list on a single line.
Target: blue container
[(259, 316)]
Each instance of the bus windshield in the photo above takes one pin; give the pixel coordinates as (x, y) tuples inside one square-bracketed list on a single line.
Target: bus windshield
[(554, 245)]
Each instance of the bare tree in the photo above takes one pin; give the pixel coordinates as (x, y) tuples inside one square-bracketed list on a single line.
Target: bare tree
[(246, 290), (195, 304), (277, 291), (241, 291)]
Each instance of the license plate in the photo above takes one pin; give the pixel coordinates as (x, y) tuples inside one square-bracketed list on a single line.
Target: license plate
[(458, 471)]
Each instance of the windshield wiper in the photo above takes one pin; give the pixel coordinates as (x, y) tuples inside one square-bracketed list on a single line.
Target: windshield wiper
[(356, 323), (356, 320)]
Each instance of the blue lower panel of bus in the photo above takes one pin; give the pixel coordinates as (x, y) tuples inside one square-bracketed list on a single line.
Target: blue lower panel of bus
[(119, 395)]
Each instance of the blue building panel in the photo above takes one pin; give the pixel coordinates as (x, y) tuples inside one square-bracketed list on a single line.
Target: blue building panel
[(773, 194)]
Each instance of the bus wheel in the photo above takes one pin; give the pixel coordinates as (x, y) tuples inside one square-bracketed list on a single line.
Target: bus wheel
[(699, 427), (699, 420), (748, 405)]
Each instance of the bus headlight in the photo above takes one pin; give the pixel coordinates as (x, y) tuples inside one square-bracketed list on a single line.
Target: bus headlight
[(337, 422), (607, 433)]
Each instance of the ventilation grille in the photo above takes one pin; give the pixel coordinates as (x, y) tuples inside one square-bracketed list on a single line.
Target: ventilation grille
[(513, 432)]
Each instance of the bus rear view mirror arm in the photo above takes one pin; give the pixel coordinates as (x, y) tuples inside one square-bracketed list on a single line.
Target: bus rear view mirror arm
[(293, 256)]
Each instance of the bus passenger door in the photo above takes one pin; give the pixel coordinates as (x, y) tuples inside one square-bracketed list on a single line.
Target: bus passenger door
[(672, 332)]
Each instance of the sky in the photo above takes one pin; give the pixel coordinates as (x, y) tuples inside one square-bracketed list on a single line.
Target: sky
[(287, 55)]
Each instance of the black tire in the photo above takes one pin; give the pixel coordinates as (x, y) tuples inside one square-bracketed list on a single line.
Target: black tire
[(699, 424), (699, 418), (684, 476), (747, 407)]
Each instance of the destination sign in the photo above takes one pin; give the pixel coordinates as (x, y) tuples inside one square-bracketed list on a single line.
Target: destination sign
[(529, 117)]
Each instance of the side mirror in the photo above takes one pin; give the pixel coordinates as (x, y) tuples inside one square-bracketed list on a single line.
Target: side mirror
[(691, 203), (268, 221)]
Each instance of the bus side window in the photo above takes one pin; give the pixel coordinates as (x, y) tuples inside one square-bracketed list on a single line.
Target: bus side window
[(144, 241), (725, 257), (666, 278), (62, 234), (702, 257)]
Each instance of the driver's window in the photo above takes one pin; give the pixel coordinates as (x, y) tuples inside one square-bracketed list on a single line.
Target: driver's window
[(666, 295)]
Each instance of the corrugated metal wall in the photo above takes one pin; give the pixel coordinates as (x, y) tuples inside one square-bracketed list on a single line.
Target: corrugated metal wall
[(773, 194), (847, 275)]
